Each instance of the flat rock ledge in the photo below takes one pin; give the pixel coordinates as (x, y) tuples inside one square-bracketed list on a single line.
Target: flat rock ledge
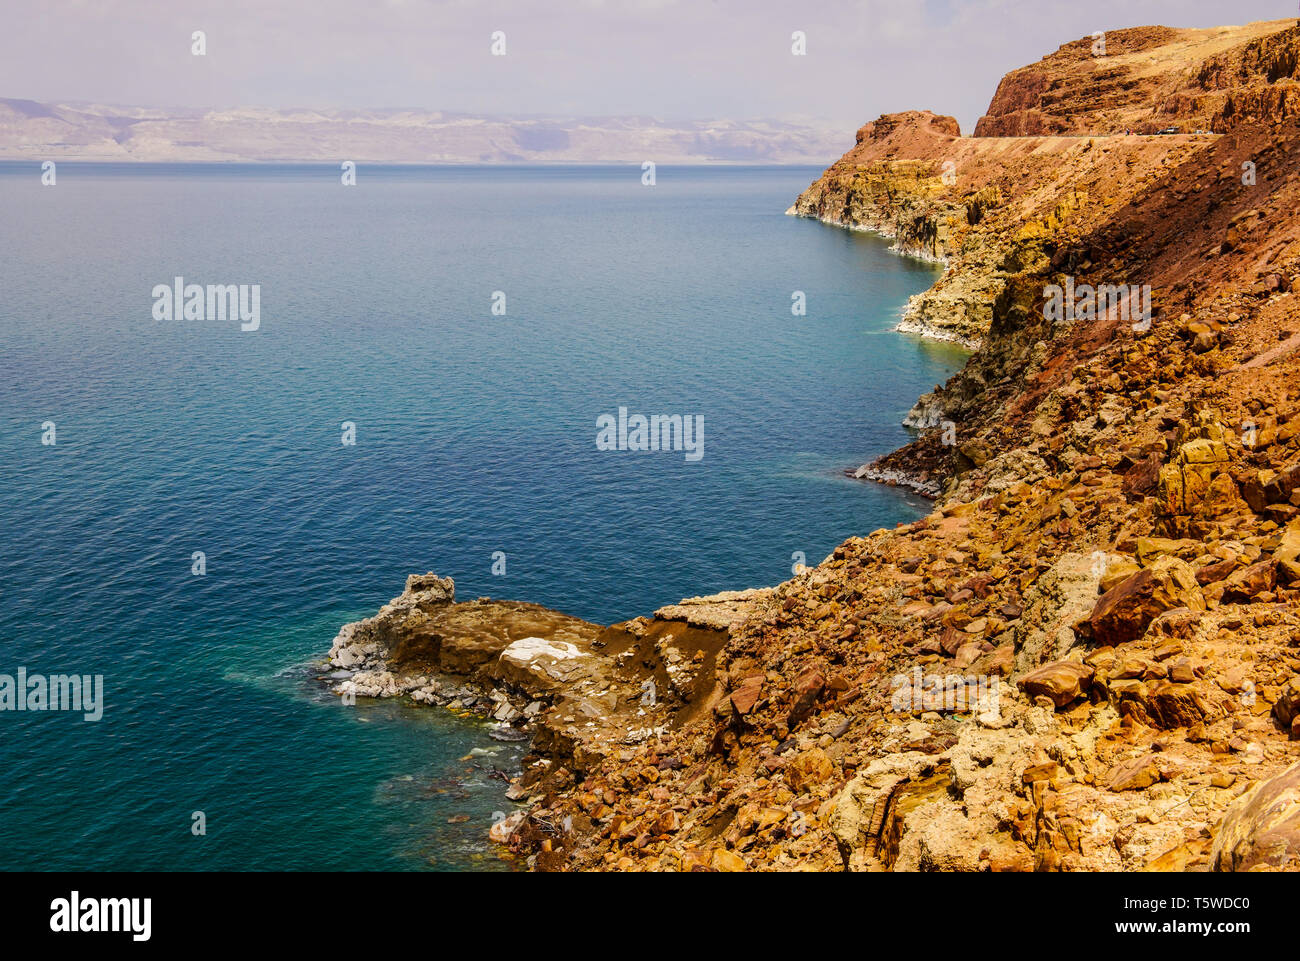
[(578, 690)]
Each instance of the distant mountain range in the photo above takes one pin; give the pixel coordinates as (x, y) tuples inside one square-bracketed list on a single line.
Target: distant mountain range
[(31, 130)]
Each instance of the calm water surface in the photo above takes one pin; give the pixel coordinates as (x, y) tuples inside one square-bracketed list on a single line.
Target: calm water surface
[(475, 434)]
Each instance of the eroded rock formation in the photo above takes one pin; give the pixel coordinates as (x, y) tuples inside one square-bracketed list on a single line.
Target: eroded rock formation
[(1088, 656)]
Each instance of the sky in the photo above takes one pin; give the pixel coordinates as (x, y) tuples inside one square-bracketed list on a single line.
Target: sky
[(668, 59)]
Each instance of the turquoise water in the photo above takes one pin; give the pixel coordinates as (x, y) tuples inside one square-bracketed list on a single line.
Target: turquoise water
[(475, 434)]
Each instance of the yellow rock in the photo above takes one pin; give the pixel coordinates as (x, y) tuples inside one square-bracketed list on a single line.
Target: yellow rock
[(728, 862)]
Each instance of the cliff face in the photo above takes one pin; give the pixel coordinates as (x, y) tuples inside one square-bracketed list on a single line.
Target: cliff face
[(992, 209), (1117, 546), (1088, 656), (891, 182), (1000, 204), (1149, 78)]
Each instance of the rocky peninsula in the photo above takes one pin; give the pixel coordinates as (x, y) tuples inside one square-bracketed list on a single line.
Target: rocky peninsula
[(1087, 657)]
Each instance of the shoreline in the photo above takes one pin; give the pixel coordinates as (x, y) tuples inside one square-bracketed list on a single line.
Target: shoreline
[(881, 232), (578, 692), (526, 679), (1108, 552), (917, 482), (927, 331), (907, 323), (893, 477)]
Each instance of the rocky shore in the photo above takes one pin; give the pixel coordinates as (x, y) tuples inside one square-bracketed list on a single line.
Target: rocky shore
[(1087, 657), (920, 482), (578, 691)]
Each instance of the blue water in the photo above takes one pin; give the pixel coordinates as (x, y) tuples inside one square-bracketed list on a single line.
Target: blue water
[(475, 434)]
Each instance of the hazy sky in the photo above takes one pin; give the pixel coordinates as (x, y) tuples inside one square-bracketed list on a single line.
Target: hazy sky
[(672, 59)]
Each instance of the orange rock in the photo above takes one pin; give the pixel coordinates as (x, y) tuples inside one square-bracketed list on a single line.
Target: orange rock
[(1061, 683), (747, 695), (1261, 830), (1134, 775), (808, 770), (727, 862), (1124, 613)]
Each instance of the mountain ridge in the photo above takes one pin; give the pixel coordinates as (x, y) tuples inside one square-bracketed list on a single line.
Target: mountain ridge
[(34, 130)]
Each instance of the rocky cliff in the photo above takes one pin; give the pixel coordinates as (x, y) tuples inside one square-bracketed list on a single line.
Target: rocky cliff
[(1149, 79), (1052, 159), (990, 209), (1088, 656)]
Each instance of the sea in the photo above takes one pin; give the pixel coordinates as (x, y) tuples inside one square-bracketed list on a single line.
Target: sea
[(190, 510)]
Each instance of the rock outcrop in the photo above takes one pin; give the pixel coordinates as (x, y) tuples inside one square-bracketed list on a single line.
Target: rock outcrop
[(1148, 79), (1065, 142), (578, 690)]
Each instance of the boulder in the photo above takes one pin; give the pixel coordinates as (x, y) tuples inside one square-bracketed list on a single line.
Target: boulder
[(1118, 570), (1061, 597), (1134, 775), (1141, 479), (1125, 612), (1287, 707), (1062, 682), (1167, 704), (538, 665), (747, 695), (1261, 829), (1193, 484), (808, 770), (1287, 555), (1249, 582), (503, 828), (431, 589), (1269, 487), (727, 862), (808, 687)]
